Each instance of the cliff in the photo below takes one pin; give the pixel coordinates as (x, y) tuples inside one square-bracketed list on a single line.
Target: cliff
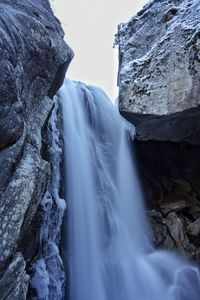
[(159, 92), (33, 61)]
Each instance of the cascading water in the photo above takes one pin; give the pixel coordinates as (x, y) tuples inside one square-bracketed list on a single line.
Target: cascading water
[(110, 257)]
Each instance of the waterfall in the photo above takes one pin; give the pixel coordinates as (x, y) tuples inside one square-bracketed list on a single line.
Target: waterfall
[(109, 254)]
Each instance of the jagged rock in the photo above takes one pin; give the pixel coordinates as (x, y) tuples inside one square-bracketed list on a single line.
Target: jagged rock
[(159, 231), (171, 233), (170, 174), (175, 206), (193, 231), (159, 60), (159, 92), (194, 228), (33, 62)]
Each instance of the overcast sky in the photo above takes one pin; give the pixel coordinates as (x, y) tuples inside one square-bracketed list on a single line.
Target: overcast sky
[(90, 26)]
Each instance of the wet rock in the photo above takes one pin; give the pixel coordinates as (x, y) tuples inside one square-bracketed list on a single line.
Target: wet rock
[(159, 231), (177, 231)]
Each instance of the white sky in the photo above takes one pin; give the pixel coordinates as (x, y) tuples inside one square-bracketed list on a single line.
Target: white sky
[(90, 26)]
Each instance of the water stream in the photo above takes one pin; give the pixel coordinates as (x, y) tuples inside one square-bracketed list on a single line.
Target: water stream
[(110, 256)]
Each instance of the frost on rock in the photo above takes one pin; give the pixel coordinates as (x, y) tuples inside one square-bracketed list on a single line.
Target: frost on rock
[(40, 281), (33, 61), (49, 277), (130, 129), (159, 60)]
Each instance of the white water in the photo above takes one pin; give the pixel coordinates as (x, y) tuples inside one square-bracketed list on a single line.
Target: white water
[(110, 257)]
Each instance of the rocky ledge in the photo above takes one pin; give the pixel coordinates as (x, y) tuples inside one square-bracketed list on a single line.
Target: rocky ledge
[(159, 92), (33, 61)]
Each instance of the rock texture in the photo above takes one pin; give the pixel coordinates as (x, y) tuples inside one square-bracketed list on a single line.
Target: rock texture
[(177, 127), (159, 92), (170, 175), (159, 57), (33, 61)]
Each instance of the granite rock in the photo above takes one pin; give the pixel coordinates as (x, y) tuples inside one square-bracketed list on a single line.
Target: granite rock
[(33, 62), (159, 58)]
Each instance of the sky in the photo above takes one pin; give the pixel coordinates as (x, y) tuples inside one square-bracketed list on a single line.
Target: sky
[(90, 26)]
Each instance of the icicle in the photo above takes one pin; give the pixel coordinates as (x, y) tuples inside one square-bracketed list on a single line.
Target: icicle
[(48, 279)]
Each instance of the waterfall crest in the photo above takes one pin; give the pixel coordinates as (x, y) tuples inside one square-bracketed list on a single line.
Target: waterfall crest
[(110, 256)]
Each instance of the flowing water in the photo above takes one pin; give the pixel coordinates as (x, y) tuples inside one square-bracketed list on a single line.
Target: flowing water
[(109, 254)]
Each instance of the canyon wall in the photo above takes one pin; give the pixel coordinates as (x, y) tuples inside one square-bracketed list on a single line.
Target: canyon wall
[(33, 62), (159, 92)]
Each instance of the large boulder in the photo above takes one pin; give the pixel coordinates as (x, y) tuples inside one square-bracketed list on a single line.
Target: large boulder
[(33, 62), (159, 57), (159, 92)]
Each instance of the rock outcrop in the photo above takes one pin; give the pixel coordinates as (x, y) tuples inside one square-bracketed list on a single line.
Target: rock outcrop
[(160, 58), (159, 92), (33, 61)]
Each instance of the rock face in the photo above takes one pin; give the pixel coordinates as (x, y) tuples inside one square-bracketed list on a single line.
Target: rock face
[(159, 92), (33, 61), (160, 58), (170, 175)]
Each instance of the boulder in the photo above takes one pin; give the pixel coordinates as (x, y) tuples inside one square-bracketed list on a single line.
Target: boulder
[(159, 58)]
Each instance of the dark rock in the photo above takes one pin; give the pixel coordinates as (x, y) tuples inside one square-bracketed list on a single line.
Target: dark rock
[(157, 229), (180, 205), (193, 229), (170, 175), (178, 127), (13, 284), (177, 228), (11, 127), (159, 232)]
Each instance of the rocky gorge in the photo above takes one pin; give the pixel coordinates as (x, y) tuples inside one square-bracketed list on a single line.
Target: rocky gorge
[(159, 92)]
